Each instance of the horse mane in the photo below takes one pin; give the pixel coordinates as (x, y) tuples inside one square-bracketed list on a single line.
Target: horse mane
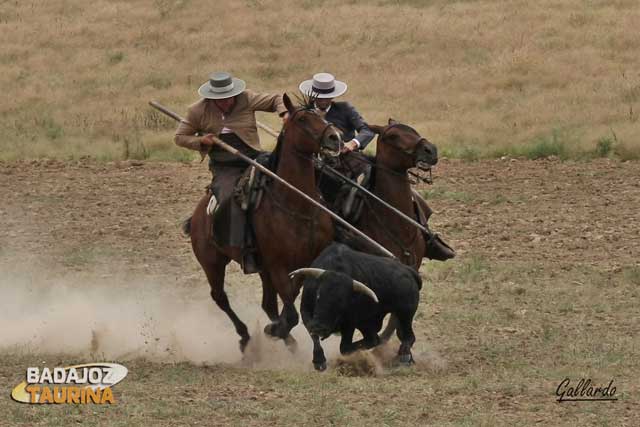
[(307, 101), (274, 158), (404, 127)]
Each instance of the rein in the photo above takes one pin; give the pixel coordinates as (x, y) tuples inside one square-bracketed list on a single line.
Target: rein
[(312, 218), (407, 175), (305, 130), (409, 256)]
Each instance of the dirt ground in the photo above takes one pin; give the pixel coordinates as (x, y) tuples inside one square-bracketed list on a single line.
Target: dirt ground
[(545, 286)]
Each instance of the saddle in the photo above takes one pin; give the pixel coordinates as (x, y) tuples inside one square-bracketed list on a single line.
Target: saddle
[(350, 201), (233, 216), (250, 187)]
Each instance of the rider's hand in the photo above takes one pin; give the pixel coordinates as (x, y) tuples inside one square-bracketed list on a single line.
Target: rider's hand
[(207, 140), (350, 146)]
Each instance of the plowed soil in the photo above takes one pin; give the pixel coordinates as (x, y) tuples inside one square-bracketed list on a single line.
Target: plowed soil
[(544, 287)]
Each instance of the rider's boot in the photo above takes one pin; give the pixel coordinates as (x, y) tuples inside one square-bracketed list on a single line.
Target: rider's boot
[(437, 249)]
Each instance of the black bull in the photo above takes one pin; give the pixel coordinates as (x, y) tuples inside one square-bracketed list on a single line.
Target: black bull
[(339, 294)]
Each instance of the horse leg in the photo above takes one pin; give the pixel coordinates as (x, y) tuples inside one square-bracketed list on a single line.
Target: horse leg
[(281, 324), (215, 271), (269, 302)]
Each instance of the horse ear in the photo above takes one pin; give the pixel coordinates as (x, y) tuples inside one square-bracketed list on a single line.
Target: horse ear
[(392, 122), (376, 129), (288, 103)]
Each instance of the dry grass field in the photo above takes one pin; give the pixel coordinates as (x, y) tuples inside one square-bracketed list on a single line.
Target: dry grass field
[(480, 78)]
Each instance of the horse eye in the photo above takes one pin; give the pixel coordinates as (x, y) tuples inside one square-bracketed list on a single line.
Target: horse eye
[(302, 118)]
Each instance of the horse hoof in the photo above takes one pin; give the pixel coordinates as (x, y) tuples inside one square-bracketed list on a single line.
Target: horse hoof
[(270, 329), (405, 360), (291, 344), (243, 344), (320, 367)]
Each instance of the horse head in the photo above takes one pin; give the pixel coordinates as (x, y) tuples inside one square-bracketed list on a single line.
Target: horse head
[(400, 147), (309, 131)]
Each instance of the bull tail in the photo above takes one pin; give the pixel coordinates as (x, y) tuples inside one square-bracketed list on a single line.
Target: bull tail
[(186, 227)]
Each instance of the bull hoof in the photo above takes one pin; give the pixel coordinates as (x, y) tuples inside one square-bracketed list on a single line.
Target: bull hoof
[(320, 367), (405, 360)]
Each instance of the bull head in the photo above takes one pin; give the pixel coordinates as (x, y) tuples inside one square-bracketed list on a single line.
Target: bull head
[(299, 275)]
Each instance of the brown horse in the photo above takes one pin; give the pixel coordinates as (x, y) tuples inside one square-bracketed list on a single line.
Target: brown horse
[(399, 148), (290, 232)]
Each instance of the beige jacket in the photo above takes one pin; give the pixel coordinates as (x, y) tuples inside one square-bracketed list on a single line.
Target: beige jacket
[(205, 117)]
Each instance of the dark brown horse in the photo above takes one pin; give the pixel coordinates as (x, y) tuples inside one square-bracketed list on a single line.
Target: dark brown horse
[(290, 232), (399, 148)]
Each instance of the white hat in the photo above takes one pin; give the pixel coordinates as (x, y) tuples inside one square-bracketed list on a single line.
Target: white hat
[(323, 85)]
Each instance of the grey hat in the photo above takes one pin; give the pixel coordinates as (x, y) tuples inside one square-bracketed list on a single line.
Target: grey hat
[(221, 85), (323, 85)]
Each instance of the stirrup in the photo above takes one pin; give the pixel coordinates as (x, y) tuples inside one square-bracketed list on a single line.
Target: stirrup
[(211, 207)]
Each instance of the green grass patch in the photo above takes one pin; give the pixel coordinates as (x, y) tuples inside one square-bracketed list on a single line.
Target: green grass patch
[(472, 269), (604, 147), (545, 147)]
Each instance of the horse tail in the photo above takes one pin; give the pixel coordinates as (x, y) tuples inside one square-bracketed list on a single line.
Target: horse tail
[(186, 226)]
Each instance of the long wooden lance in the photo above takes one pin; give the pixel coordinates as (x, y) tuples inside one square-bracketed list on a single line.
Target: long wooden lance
[(266, 171), (401, 214), (365, 191)]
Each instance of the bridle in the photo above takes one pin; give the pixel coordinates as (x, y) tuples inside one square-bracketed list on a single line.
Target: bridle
[(316, 139), (424, 173), (410, 153)]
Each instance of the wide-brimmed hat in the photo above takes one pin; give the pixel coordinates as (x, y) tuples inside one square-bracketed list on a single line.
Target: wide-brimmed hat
[(323, 85), (221, 85)]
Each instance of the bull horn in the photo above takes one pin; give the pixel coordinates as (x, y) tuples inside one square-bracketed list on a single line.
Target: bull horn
[(363, 289), (310, 272), (298, 275)]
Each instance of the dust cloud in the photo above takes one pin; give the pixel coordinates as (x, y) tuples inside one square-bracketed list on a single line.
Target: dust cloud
[(121, 317)]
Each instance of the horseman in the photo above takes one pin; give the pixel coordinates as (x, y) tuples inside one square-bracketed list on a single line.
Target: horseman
[(356, 136), (226, 110)]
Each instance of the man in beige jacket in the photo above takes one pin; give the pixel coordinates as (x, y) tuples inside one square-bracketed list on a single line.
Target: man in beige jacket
[(227, 111)]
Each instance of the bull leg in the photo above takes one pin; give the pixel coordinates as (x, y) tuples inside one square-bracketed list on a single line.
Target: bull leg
[(346, 342), (319, 361), (368, 341), (407, 338), (392, 324)]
